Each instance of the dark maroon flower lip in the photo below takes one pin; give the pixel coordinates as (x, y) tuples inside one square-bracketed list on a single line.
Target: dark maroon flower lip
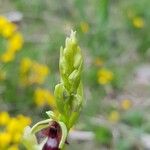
[(53, 134)]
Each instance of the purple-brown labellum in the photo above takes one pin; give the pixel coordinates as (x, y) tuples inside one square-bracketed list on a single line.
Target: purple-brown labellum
[(54, 136)]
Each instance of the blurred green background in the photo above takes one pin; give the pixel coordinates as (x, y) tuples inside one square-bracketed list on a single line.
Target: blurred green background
[(114, 36)]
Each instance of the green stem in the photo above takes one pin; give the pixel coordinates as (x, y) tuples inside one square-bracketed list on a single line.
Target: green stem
[(103, 10)]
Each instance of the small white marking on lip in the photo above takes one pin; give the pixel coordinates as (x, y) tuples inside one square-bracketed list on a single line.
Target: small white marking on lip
[(52, 142)]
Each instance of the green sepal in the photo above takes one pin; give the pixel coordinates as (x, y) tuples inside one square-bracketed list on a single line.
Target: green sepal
[(64, 134), (41, 125)]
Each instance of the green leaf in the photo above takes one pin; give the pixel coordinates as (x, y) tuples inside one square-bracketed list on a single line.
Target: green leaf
[(103, 134)]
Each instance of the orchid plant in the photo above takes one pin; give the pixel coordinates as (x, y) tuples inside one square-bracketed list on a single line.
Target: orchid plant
[(51, 134)]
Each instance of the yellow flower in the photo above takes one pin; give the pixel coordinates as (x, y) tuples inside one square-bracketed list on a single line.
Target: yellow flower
[(126, 104), (13, 131), (25, 66), (6, 28), (14, 39), (114, 116), (43, 97), (84, 27), (3, 22), (25, 121), (7, 56), (138, 22), (15, 42), (39, 73), (13, 147), (104, 76), (14, 125), (5, 139), (16, 137), (32, 72), (18, 124), (4, 118)]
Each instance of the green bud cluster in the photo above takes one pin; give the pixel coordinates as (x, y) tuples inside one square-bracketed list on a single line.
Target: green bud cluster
[(69, 98), (69, 93)]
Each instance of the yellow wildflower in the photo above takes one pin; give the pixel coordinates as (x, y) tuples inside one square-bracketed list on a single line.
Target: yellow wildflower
[(8, 30), (7, 56), (16, 137), (25, 121), (104, 76), (18, 124), (15, 42), (39, 73), (114, 116), (14, 127), (138, 22), (84, 27), (32, 72), (43, 97), (13, 147), (4, 118), (14, 39), (3, 21), (126, 104), (25, 66), (5, 139)]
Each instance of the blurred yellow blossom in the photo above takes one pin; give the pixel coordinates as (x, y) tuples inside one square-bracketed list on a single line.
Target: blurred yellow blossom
[(32, 72), (138, 22), (12, 130), (24, 120), (14, 39), (8, 30), (25, 66), (126, 104), (6, 27), (39, 73), (84, 27), (16, 137), (7, 56), (15, 42), (114, 116), (17, 124), (43, 96), (4, 118), (105, 76), (5, 139), (3, 21), (13, 147)]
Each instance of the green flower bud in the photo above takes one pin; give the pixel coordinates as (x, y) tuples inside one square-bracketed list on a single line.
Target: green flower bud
[(61, 96), (68, 93), (69, 99)]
